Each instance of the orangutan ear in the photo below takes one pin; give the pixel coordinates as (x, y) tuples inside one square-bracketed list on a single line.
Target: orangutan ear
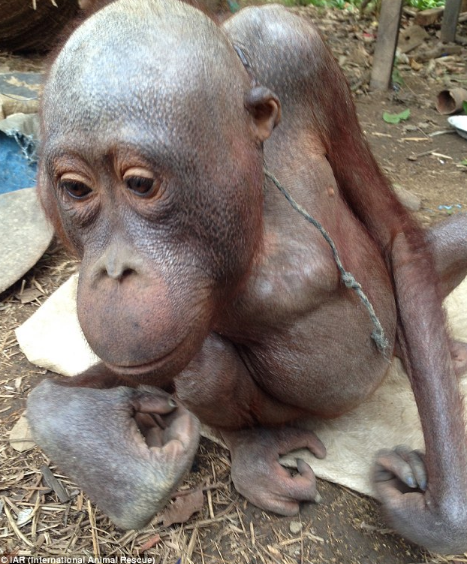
[(265, 108)]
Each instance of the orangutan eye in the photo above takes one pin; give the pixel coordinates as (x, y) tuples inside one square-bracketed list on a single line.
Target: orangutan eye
[(75, 189), (140, 185)]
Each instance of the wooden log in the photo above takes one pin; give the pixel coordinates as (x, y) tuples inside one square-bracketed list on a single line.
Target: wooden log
[(449, 25), (411, 37), (437, 51), (386, 43), (428, 17)]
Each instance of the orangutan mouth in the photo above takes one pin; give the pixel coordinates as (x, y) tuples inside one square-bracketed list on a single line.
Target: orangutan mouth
[(141, 369)]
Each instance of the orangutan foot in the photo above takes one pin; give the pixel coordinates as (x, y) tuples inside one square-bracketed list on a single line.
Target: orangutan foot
[(127, 448), (403, 466), (258, 475)]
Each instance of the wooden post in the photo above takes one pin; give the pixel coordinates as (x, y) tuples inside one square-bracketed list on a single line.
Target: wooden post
[(386, 43), (450, 17)]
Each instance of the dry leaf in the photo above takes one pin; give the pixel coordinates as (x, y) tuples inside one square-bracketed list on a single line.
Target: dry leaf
[(273, 550), (20, 436), (183, 508), (24, 516), (55, 484), (149, 543), (29, 295)]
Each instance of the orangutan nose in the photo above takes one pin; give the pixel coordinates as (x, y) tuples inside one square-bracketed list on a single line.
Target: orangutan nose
[(119, 261)]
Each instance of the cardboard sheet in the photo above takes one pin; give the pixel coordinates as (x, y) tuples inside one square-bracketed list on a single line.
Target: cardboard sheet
[(52, 339)]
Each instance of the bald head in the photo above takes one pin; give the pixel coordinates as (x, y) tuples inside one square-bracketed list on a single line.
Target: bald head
[(154, 57)]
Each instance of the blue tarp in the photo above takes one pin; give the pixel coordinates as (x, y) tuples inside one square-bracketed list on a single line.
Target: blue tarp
[(18, 144), (16, 170), (19, 132)]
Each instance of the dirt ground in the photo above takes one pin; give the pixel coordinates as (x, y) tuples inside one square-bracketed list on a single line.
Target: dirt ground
[(346, 527)]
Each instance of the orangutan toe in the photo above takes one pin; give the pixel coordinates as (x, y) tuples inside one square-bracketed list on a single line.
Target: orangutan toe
[(258, 475)]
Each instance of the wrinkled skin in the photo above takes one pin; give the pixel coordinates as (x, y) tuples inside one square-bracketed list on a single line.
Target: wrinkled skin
[(141, 467), (198, 276)]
